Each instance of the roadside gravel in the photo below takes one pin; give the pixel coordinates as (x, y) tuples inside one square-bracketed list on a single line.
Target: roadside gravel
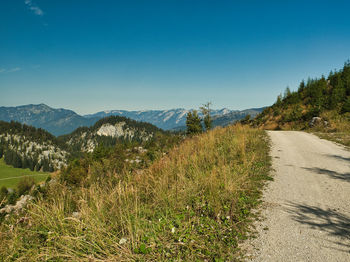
[(307, 206)]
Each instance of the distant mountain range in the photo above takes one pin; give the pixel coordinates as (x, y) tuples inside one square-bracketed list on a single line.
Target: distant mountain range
[(57, 121), (165, 119), (62, 121), (230, 118)]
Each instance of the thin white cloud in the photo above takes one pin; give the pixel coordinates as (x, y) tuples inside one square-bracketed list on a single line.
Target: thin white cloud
[(14, 70), (11, 70), (34, 8)]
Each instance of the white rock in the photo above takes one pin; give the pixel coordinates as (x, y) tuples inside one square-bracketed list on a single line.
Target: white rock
[(122, 241), (76, 215), (20, 204)]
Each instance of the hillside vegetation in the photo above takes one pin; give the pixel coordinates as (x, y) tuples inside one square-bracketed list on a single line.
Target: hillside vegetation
[(24, 146), (191, 204), (108, 132), (327, 98)]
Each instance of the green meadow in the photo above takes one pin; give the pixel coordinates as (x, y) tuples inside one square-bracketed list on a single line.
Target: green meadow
[(9, 176)]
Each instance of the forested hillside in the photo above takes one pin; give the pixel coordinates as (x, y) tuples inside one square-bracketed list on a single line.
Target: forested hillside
[(108, 132), (24, 146), (28, 147), (322, 102)]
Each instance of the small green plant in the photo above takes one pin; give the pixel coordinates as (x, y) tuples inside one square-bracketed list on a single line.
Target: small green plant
[(3, 194), (24, 185), (142, 249)]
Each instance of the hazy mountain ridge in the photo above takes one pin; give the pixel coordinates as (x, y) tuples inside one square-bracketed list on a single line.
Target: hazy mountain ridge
[(56, 121), (165, 119), (63, 121), (228, 118)]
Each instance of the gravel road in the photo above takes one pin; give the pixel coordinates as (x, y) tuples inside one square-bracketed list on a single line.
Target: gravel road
[(307, 206)]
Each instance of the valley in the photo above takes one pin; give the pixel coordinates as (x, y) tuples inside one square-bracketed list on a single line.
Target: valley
[(10, 176)]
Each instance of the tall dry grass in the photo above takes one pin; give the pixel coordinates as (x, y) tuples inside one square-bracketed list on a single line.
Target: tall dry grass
[(194, 203), (338, 128)]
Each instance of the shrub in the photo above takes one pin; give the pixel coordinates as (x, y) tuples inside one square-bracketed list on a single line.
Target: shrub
[(24, 185), (3, 193)]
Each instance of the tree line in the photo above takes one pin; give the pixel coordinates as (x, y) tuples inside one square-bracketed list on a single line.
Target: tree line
[(313, 97), (16, 146)]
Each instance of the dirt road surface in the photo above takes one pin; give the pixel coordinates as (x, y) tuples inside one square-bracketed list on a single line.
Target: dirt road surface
[(307, 206)]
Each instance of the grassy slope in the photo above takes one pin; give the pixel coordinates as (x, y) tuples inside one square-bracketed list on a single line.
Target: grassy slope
[(192, 204), (328, 98), (338, 130), (9, 176)]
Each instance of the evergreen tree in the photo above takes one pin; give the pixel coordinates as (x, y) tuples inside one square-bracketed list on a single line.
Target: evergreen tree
[(279, 100), (9, 157), (1, 150), (301, 86), (45, 165), (193, 123), (346, 77), (206, 114), (338, 92), (17, 160), (346, 105), (287, 92)]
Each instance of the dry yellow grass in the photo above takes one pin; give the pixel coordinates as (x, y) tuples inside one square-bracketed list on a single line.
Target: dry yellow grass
[(338, 129), (194, 203)]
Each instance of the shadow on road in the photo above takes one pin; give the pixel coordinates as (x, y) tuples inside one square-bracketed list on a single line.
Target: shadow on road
[(330, 173), (329, 220), (339, 157)]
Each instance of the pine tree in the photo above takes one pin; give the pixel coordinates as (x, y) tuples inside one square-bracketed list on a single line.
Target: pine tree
[(206, 114), (9, 157), (346, 77), (193, 123), (279, 100), (346, 105), (287, 92), (1, 150), (301, 86), (338, 91)]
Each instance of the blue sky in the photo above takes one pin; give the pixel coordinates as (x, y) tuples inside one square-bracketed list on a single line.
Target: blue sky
[(97, 55)]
